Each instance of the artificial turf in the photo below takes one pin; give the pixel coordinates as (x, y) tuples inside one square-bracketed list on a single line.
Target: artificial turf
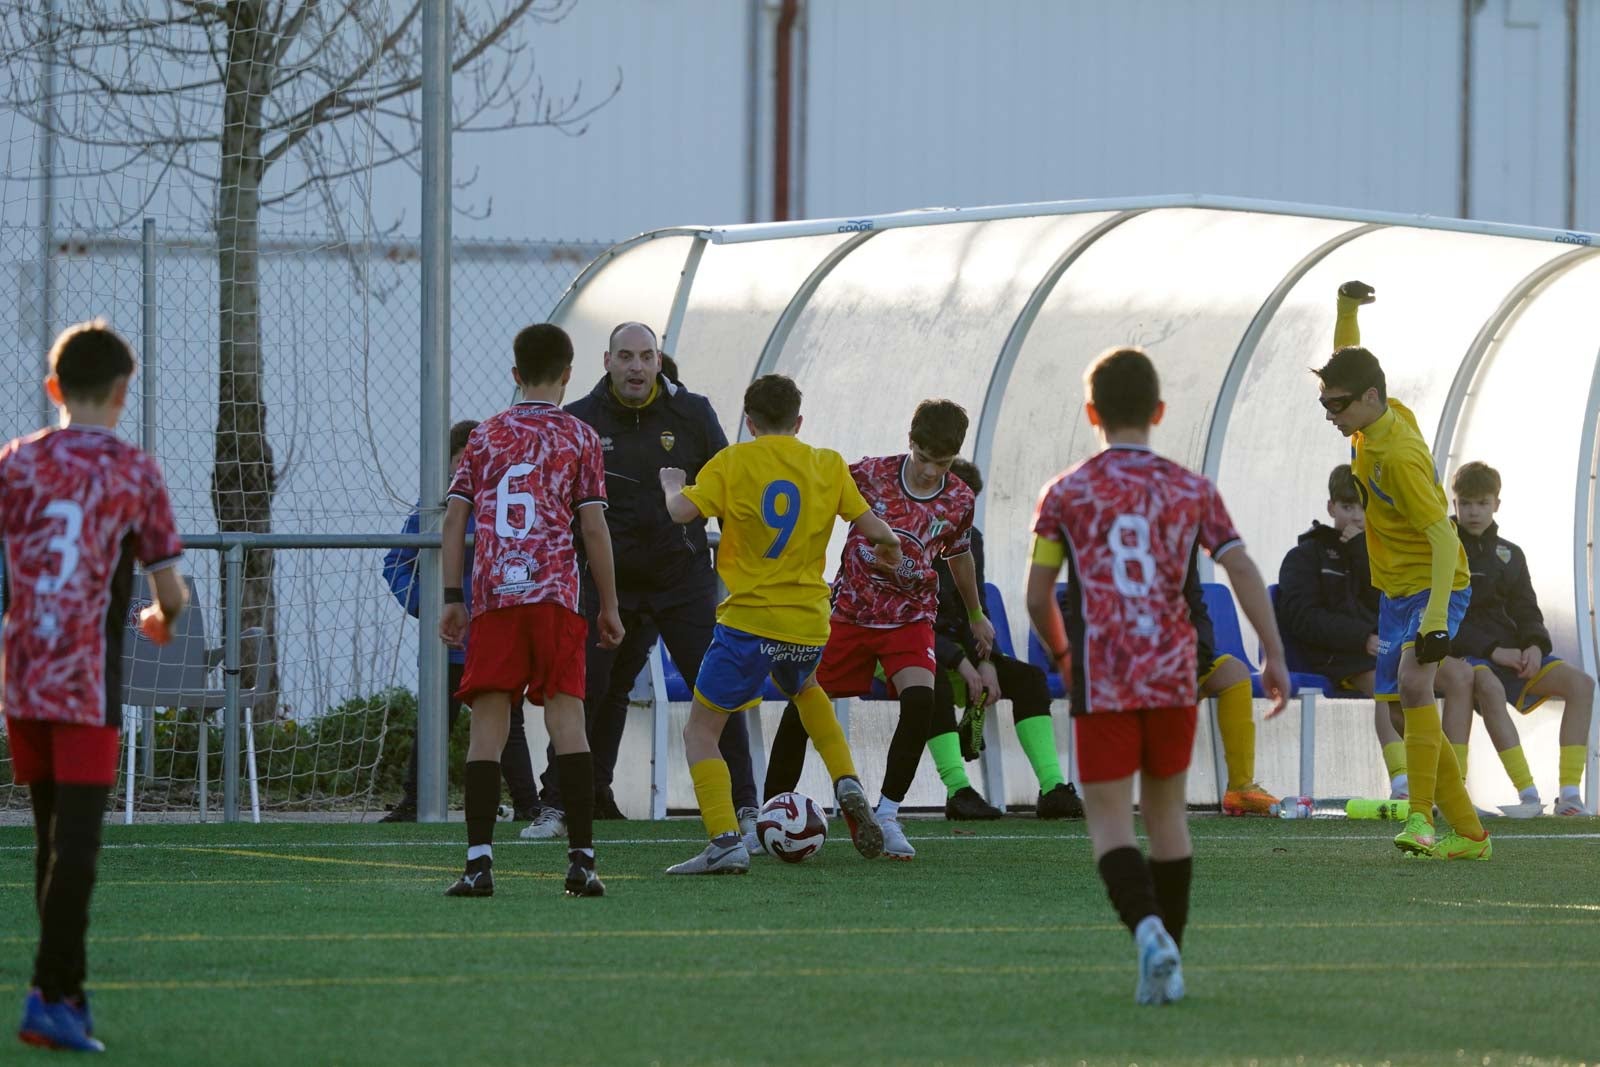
[(1310, 942)]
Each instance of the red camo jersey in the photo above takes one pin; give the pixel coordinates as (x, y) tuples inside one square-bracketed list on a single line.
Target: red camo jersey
[(77, 506), (934, 527), (526, 472), (1130, 520)]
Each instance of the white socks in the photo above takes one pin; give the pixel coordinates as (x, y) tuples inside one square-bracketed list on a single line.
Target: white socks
[(477, 851), (888, 809)]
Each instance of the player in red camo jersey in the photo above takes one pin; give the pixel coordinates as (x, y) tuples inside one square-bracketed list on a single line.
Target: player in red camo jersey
[(77, 506), (888, 618), (526, 475), (1127, 523)]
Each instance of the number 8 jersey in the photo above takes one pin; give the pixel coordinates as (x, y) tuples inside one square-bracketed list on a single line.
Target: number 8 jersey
[(1127, 523), (526, 471), (77, 506)]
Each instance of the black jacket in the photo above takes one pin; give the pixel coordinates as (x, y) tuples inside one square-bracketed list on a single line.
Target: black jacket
[(1503, 613), (1326, 600), (677, 429), (952, 633)]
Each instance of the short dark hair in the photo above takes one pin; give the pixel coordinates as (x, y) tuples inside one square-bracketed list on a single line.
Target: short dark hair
[(1124, 388), (1355, 370), (611, 342), (1476, 479), (773, 402), (459, 434), (940, 426), (967, 471), (1342, 485), (88, 359), (543, 352)]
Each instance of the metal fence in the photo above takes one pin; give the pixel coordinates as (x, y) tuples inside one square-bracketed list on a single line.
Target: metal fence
[(340, 326)]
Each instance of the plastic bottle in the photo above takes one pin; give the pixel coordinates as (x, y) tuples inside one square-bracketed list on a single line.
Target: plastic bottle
[(1293, 808), (1365, 808)]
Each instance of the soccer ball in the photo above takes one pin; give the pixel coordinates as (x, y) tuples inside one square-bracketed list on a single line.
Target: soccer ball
[(790, 826)]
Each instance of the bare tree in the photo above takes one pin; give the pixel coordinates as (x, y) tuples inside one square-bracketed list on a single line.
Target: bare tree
[(220, 93)]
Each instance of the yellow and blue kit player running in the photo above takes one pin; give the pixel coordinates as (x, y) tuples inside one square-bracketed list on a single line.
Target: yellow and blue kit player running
[(775, 498), (1420, 571)]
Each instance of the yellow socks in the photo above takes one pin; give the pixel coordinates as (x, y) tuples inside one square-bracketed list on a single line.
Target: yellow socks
[(816, 715), (1236, 722), (1573, 758), (1516, 765), (1394, 759), (713, 788), (1424, 740), (1451, 794), (1461, 757)]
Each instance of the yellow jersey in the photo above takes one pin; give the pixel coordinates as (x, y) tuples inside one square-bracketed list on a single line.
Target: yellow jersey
[(776, 498), (1394, 469)]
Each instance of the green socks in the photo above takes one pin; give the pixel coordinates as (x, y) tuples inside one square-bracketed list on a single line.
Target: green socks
[(946, 749), (1037, 735)]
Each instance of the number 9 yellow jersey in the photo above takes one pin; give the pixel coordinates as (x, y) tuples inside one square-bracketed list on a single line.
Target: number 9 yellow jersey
[(776, 498)]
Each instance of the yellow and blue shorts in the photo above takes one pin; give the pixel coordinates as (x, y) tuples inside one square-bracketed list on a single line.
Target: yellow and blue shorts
[(737, 665), (1517, 694), (1399, 622)]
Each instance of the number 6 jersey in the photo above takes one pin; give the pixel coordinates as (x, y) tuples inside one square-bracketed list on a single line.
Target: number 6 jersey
[(77, 506), (1127, 522), (526, 471)]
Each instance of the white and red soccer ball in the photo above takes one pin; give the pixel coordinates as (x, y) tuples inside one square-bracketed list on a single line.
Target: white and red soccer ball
[(791, 827)]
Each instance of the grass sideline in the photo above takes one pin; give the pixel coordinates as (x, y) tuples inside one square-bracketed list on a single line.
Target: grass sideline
[(1311, 942)]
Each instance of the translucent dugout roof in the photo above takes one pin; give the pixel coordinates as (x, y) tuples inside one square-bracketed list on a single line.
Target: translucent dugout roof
[(1486, 331)]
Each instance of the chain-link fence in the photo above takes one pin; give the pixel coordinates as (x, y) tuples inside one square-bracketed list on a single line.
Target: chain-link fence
[(340, 324)]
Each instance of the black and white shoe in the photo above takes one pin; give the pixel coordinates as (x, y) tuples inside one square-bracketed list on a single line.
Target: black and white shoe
[(478, 881), (582, 881)]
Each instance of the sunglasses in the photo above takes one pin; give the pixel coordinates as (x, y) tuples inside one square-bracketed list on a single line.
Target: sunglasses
[(1335, 405)]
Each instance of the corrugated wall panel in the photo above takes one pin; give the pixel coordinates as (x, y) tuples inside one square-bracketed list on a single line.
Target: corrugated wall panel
[(1519, 123), (944, 102)]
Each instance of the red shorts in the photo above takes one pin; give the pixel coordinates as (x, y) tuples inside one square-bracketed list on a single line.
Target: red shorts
[(1114, 744), (531, 648), (853, 651), (67, 753)]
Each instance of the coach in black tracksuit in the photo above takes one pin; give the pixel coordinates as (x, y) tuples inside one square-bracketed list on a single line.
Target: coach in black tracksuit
[(666, 584)]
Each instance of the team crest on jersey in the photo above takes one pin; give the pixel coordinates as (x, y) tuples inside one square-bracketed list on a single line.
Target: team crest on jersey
[(1503, 553), (879, 507), (668, 439), (516, 576), (605, 444)]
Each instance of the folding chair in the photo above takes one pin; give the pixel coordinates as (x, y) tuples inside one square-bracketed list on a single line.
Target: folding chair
[(182, 674)]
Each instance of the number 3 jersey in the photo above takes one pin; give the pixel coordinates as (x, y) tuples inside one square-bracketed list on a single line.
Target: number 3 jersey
[(776, 498), (1127, 522), (938, 526), (526, 471), (77, 506)]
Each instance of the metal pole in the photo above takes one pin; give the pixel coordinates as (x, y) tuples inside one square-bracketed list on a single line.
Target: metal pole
[(233, 611), (432, 741), (47, 206), (147, 372)]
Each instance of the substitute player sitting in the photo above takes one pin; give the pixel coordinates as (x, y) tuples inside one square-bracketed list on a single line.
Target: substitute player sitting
[(776, 498), (77, 506), (1503, 636), (1126, 523)]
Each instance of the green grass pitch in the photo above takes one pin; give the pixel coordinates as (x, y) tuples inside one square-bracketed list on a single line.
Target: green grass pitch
[(1310, 943)]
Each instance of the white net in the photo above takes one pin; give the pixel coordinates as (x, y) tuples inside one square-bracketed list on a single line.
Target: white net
[(283, 366)]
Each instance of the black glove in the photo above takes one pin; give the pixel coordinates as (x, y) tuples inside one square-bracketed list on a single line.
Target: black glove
[(1432, 647), (1360, 292)]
